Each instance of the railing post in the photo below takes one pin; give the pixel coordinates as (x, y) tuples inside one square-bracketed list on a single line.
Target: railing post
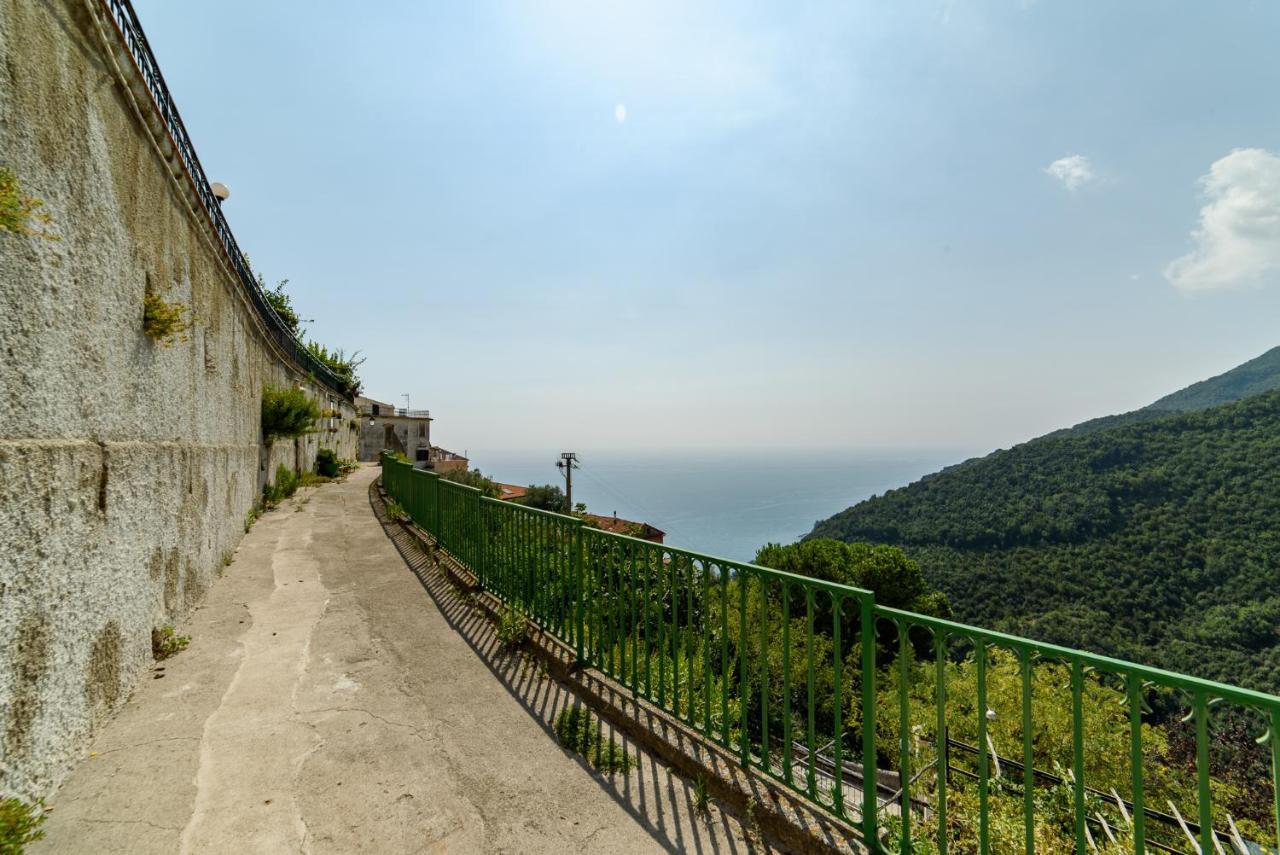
[(870, 829), (576, 569), (481, 570), (435, 509), (1275, 766)]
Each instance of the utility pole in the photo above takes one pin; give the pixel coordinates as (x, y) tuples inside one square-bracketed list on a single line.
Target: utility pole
[(567, 463)]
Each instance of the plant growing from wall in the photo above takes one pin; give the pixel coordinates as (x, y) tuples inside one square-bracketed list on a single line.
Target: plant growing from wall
[(701, 796), (287, 412), (19, 824), (284, 485), (18, 211), (165, 642), (163, 321)]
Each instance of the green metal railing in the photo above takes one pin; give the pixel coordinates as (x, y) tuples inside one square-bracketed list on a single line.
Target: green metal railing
[(857, 706)]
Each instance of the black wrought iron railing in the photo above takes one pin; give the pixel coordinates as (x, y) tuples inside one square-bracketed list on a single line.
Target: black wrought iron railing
[(129, 28)]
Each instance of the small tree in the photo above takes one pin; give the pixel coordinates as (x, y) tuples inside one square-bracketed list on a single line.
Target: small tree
[(474, 478), (287, 412), (343, 367), (281, 303), (327, 463), (547, 497)]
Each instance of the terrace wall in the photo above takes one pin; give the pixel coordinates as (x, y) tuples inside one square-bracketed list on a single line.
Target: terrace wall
[(126, 468)]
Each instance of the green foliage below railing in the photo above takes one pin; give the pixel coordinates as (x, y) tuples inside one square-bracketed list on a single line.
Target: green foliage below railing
[(1154, 541), (930, 735), (474, 478), (341, 366)]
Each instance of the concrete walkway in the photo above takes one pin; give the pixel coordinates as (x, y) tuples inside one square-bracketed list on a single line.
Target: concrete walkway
[(326, 705)]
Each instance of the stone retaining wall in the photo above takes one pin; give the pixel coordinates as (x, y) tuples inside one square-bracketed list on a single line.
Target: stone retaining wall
[(126, 467)]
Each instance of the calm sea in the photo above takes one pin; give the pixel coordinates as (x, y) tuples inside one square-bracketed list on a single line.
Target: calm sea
[(724, 504)]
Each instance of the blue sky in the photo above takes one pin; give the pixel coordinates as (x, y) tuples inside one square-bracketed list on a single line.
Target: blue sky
[(672, 225)]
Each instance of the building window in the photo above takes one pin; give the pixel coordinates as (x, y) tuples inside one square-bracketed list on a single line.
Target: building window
[(422, 429)]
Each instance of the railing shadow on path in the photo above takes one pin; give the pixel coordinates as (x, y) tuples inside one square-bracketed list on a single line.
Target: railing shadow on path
[(654, 795)]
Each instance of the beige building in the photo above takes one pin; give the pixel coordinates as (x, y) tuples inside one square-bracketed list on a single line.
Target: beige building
[(383, 426)]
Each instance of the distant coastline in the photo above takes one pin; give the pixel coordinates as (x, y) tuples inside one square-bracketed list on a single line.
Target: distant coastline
[(727, 503)]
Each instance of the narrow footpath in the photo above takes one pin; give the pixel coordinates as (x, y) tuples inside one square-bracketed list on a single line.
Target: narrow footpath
[(326, 705)]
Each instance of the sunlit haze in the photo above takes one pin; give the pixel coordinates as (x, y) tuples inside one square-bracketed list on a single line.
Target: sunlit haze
[(674, 225)]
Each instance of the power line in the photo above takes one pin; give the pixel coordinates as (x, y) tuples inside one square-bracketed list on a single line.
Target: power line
[(618, 495)]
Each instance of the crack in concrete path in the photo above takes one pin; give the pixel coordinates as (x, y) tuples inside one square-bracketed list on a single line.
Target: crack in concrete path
[(253, 747), (346, 713)]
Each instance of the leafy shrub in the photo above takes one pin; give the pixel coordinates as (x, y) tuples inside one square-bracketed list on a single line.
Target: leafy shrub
[(473, 478), (512, 629), (18, 212), (396, 512), (287, 412), (577, 730), (281, 303), (547, 497), (343, 366), (165, 642), (285, 485), (19, 824), (327, 463), (164, 322)]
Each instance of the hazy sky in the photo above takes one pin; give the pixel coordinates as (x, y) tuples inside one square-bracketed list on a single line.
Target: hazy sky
[(673, 224)]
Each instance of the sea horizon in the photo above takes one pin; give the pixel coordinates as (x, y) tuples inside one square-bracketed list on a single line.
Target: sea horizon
[(724, 502)]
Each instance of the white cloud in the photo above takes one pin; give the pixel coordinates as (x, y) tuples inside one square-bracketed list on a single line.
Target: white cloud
[(1238, 236), (1074, 171)]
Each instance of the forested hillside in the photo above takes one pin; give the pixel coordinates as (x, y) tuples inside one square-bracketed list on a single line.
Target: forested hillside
[(1258, 375), (1156, 538), (1254, 377)]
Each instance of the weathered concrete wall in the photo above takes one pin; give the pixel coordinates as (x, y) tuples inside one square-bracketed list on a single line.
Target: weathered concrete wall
[(413, 434), (126, 468)]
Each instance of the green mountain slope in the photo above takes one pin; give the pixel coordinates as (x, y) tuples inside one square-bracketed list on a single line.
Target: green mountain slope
[(1252, 378), (1154, 538), (1258, 375)]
